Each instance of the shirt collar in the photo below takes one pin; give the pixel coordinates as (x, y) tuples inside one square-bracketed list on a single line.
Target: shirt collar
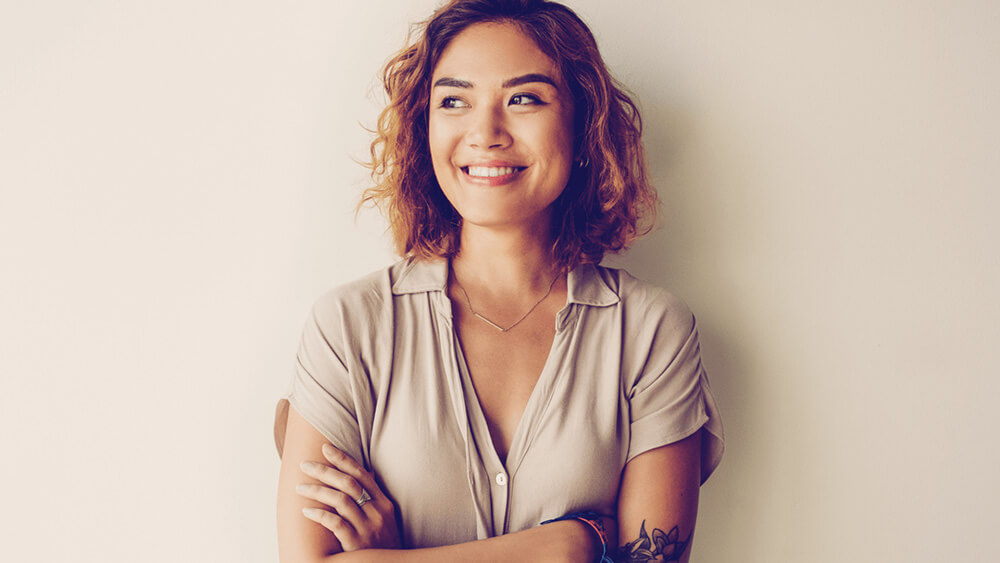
[(585, 284), (420, 276)]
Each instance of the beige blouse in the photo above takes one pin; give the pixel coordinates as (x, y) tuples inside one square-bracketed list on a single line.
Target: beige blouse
[(380, 373)]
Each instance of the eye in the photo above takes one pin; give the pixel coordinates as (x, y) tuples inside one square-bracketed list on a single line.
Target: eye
[(525, 100), (450, 102)]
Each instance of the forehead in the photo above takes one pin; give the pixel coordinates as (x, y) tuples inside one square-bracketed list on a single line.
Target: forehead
[(493, 50)]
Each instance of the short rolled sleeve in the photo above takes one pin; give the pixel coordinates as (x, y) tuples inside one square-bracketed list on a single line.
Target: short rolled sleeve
[(671, 398), (323, 390)]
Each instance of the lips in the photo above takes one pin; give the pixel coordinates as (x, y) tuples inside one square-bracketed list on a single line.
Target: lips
[(491, 175), (491, 172)]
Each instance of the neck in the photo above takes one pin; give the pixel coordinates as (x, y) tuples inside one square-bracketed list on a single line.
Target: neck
[(507, 262)]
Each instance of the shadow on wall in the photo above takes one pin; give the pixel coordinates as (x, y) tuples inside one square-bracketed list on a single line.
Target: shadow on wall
[(686, 254)]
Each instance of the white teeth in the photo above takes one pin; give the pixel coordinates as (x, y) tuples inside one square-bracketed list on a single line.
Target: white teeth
[(489, 171)]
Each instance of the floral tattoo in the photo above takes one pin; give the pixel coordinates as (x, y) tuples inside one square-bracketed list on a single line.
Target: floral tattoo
[(661, 547)]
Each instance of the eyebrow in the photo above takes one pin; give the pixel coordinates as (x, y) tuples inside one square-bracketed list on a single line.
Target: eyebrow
[(509, 83)]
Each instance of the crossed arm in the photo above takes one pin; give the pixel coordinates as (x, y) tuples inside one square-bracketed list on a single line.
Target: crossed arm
[(657, 509)]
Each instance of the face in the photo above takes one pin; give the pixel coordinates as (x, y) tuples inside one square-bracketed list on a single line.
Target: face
[(500, 128)]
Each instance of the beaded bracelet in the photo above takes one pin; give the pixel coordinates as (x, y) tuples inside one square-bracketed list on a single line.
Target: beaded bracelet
[(592, 519)]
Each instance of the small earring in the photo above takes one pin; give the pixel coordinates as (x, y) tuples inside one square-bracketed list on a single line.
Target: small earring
[(583, 163)]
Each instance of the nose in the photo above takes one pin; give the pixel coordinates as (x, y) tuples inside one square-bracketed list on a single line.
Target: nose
[(488, 129)]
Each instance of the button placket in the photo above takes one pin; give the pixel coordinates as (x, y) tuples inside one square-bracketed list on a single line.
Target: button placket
[(501, 496)]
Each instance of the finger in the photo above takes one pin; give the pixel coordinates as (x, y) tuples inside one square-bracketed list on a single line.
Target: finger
[(334, 478), (352, 468), (340, 502), (341, 528)]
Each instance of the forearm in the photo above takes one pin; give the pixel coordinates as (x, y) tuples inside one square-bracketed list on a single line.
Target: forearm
[(558, 542)]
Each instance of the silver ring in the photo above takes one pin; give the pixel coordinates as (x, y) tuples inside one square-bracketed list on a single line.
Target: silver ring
[(365, 497)]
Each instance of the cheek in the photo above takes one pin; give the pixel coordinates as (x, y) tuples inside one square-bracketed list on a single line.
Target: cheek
[(434, 140), (441, 144), (564, 155), (558, 146), (558, 132)]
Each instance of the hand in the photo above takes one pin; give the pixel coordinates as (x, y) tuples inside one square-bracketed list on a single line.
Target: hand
[(369, 525)]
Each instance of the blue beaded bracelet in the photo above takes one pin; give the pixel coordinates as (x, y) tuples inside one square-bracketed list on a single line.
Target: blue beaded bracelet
[(592, 519)]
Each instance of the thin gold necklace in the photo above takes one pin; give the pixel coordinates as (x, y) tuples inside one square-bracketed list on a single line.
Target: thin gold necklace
[(493, 324)]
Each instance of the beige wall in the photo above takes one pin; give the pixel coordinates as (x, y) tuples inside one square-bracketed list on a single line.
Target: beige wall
[(177, 186)]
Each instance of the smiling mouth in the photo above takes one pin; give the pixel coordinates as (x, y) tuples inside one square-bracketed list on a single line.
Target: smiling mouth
[(492, 171)]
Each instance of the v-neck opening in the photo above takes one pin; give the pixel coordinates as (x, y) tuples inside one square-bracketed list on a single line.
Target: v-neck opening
[(520, 440)]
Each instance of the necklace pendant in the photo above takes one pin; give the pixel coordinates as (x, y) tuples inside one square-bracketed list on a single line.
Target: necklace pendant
[(491, 323)]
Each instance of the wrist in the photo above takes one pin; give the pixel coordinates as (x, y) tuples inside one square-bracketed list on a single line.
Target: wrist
[(589, 539), (583, 544)]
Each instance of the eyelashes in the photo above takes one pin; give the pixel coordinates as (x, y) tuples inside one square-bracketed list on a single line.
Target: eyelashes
[(532, 99), (451, 102)]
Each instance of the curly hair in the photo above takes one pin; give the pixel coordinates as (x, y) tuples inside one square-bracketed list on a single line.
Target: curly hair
[(608, 201)]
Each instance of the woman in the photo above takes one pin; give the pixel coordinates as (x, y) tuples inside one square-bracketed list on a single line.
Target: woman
[(496, 378)]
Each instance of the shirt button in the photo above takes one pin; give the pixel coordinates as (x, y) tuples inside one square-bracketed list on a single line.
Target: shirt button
[(501, 479)]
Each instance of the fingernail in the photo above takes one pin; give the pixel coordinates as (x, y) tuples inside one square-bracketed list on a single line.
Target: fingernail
[(306, 465), (301, 488), (310, 512), (327, 448)]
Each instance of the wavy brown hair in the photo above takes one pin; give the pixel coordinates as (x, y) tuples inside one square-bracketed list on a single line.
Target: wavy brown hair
[(608, 202)]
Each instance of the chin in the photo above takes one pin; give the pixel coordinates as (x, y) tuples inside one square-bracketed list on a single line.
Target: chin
[(494, 218)]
